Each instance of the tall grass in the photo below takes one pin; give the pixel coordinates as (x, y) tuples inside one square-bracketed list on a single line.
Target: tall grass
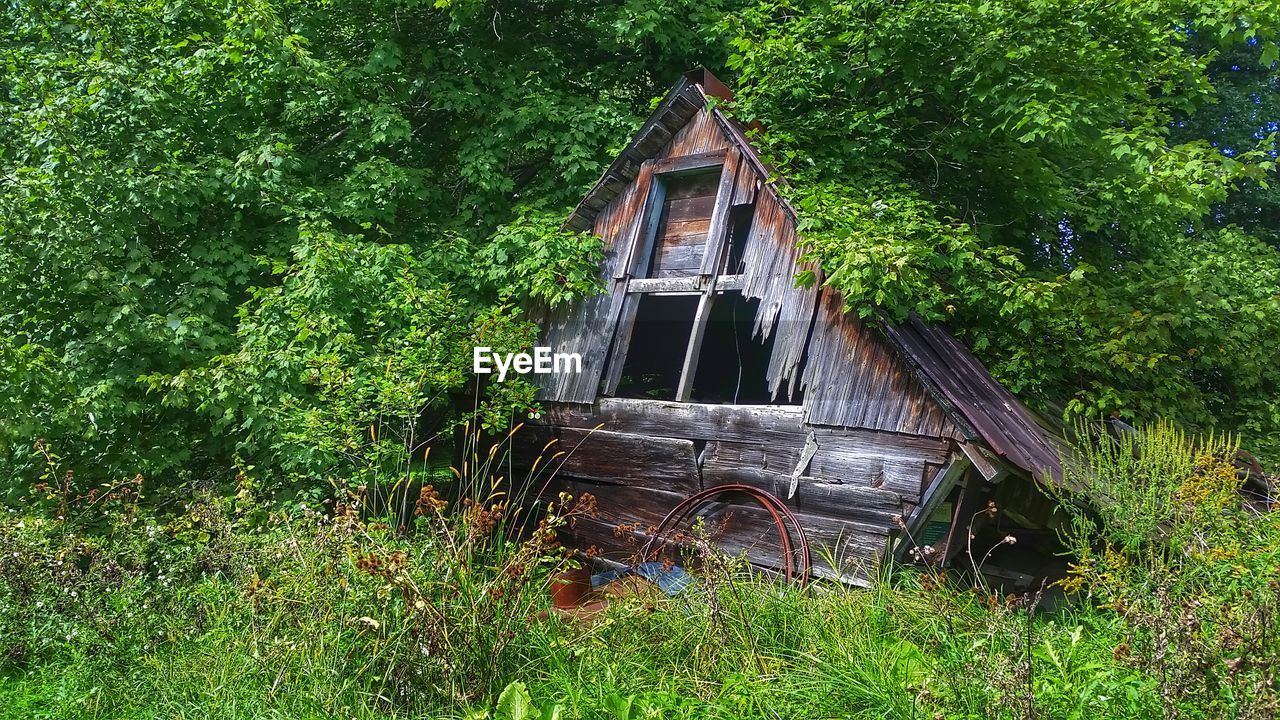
[(231, 610)]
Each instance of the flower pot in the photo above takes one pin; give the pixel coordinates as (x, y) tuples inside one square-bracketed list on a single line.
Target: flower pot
[(570, 587)]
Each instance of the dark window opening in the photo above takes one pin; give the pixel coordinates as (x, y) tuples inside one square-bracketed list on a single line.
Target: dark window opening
[(655, 353), (733, 365), (739, 231)]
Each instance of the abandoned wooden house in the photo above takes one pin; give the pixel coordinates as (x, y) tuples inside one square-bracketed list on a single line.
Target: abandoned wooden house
[(705, 364)]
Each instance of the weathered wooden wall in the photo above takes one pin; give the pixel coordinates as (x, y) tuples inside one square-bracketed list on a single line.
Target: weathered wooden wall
[(771, 258), (854, 378), (587, 327), (648, 455), (852, 461)]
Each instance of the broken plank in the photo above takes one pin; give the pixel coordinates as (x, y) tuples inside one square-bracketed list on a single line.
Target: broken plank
[(857, 440), (897, 474)]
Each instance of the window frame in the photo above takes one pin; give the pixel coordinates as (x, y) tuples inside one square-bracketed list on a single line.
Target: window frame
[(707, 284)]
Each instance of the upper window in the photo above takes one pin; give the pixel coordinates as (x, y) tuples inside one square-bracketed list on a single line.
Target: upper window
[(680, 243)]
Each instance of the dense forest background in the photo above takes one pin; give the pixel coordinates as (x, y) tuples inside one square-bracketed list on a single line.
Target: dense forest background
[(255, 241)]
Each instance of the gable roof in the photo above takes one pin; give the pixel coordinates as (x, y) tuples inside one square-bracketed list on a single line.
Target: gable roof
[(689, 95), (980, 406)]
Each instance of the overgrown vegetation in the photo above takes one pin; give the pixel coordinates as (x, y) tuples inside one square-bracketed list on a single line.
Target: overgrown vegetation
[(218, 220), (1061, 181), (334, 610), (246, 248)]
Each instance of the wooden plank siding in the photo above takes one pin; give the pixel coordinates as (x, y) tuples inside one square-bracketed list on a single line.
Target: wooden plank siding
[(771, 261), (681, 239), (854, 378), (883, 407), (641, 457)]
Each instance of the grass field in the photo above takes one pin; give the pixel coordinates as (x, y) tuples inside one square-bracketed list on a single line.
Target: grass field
[(233, 610)]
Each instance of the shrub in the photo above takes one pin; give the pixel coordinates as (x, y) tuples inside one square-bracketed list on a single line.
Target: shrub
[(1163, 536)]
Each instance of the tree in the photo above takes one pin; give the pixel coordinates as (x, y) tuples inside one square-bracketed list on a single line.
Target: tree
[(239, 235), (1047, 178), (183, 181)]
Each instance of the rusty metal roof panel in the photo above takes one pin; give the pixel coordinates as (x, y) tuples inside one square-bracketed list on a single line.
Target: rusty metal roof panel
[(967, 389)]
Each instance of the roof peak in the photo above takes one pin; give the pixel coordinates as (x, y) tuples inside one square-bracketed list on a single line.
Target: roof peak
[(690, 94)]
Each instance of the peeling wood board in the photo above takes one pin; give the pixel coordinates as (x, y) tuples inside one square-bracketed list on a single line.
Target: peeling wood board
[(611, 457), (694, 421), (898, 475), (771, 263), (888, 444)]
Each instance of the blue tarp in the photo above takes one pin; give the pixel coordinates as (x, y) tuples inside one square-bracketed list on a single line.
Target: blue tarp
[(673, 580)]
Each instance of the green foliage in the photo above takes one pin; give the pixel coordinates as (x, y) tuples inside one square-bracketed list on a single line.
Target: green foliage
[(167, 166), (344, 365), (208, 615), (1060, 182), (534, 258), (1133, 483), (514, 703), (224, 611), (1170, 543), (1082, 191), (1245, 112)]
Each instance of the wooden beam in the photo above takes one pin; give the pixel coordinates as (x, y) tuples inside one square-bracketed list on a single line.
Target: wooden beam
[(694, 349), (682, 285), (965, 520), (990, 470), (645, 188), (934, 496), (689, 163), (719, 228), (621, 342), (774, 424), (638, 260)]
